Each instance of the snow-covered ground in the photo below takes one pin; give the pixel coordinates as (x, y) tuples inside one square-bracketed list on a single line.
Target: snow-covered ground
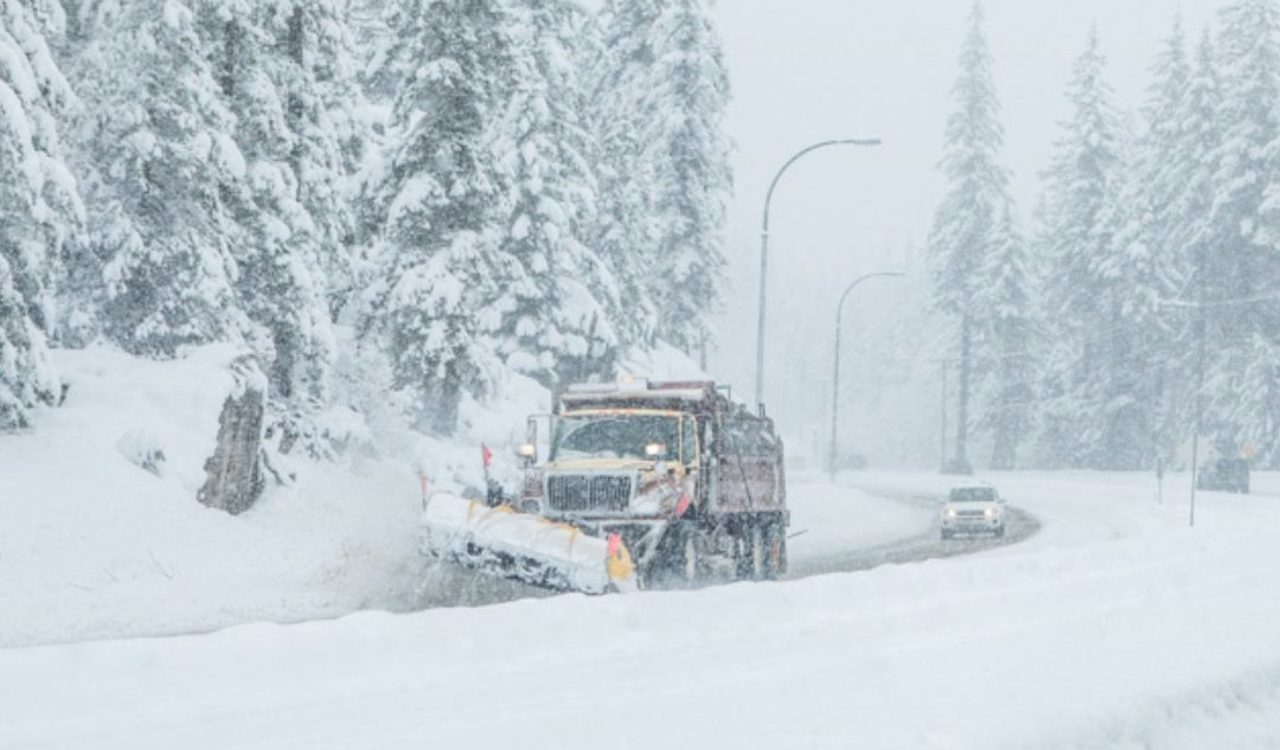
[(1115, 626), (93, 546)]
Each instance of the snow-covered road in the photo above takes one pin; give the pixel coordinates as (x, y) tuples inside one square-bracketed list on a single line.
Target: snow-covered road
[(1114, 626), (859, 530)]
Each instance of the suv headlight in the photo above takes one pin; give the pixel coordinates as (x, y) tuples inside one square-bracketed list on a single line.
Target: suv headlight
[(992, 512)]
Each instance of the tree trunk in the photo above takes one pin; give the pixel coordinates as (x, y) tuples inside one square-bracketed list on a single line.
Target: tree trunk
[(960, 464)]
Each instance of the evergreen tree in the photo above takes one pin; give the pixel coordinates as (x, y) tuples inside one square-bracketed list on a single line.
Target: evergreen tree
[(1083, 423), (682, 137), (440, 200), (286, 69), (1191, 230), (1006, 300), (40, 209), (1151, 262), (1243, 261), (966, 226), (160, 168), (555, 323), (623, 235)]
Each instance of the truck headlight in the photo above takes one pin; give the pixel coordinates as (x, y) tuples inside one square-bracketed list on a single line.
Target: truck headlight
[(991, 512)]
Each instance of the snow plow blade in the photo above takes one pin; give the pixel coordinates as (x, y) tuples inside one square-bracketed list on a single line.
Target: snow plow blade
[(504, 543)]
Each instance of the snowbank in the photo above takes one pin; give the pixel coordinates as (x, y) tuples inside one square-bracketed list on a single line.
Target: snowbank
[(94, 545)]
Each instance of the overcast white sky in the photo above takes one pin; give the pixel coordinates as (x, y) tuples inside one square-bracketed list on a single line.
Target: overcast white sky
[(808, 70)]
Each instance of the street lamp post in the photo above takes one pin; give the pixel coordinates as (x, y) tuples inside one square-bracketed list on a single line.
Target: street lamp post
[(764, 246), (835, 377)]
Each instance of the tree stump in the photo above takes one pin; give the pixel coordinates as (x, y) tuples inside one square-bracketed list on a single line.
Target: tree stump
[(234, 471)]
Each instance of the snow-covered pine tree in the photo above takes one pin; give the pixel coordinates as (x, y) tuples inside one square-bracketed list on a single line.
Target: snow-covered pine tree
[(275, 63), (40, 210), (1080, 426), (965, 226), (555, 321), (1243, 265), (159, 165), (1010, 325), (316, 67), (623, 234), (1155, 266), (1191, 231), (1145, 268), (682, 137), (440, 199)]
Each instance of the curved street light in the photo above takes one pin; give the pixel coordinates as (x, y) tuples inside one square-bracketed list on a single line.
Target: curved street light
[(764, 245), (835, 377)]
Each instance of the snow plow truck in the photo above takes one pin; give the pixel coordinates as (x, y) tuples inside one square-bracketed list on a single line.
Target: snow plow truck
[(643, 485)]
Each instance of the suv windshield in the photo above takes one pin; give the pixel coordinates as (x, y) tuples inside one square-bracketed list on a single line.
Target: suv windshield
[(614, 436), (972, 495)]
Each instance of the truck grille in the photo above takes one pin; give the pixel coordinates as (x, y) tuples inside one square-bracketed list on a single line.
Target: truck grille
[(971, 514), (604, 492)]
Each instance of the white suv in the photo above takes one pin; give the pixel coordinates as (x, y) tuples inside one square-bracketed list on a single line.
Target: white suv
[(973, 509)]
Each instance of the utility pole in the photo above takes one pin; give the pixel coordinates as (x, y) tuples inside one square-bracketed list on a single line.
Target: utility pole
[(961, 462), (764, 246), (833, 454), (1199, 396)]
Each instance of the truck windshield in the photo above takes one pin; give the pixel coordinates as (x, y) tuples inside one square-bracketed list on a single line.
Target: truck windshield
[(623, 436), (973, 495)]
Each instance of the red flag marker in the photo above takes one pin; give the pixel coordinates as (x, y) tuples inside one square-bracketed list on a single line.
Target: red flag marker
[(486, 455)]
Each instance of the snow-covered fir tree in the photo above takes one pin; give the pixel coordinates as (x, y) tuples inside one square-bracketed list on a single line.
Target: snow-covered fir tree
[(40, 210), (1143, 268), (440, 200), (315, 66), (555, 322), (623, 233), (1010, 326), (682, 136), (1080, 422), (1189, 226), (285, 68), (1242, 263), (159, 164), (966, 227), (1154, 268)]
